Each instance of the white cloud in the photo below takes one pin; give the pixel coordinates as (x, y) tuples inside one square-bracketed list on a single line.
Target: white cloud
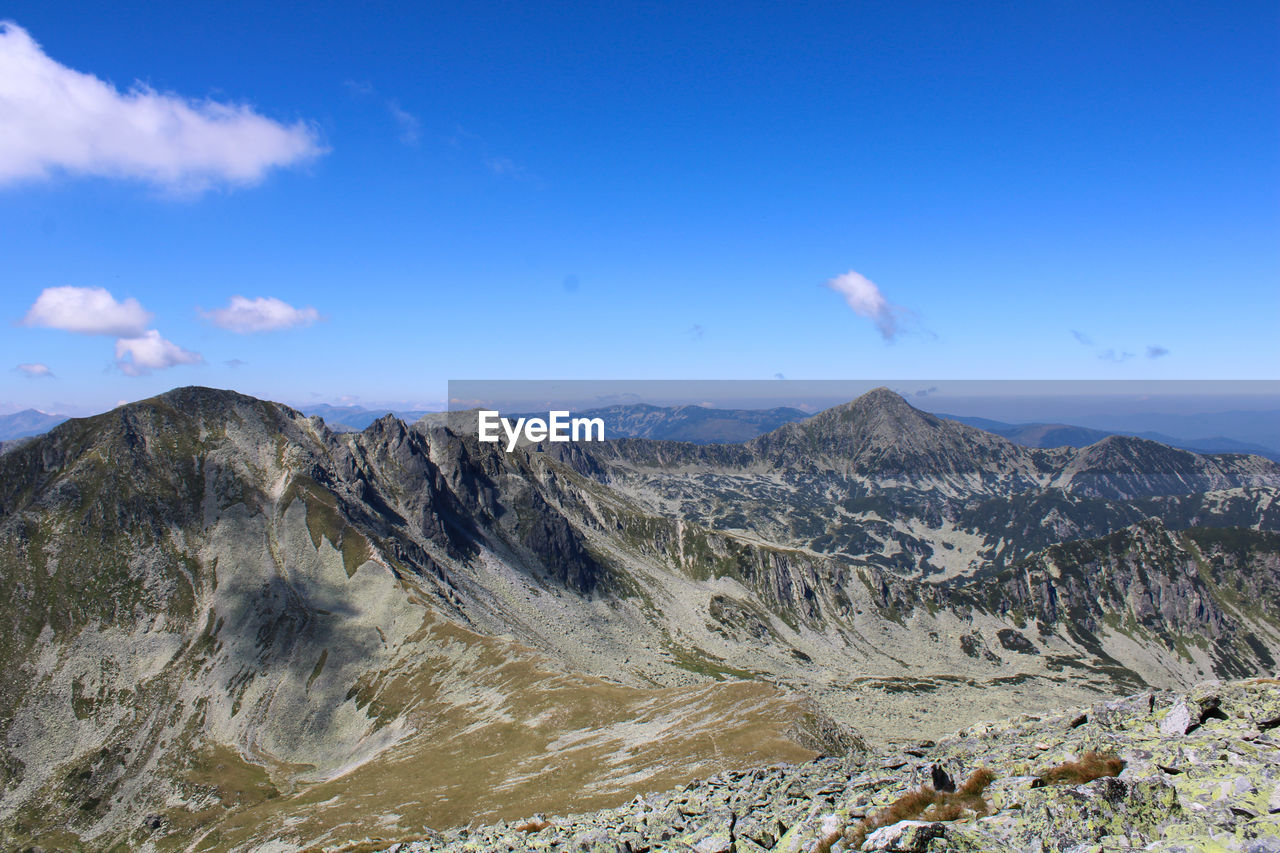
[(56, 119), (866, 300), (35, 371), (147, 352), (89, 311), (264, 314)]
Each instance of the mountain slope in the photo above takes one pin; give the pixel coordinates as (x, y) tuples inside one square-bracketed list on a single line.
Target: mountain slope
[(215, 607), (1178, 771)]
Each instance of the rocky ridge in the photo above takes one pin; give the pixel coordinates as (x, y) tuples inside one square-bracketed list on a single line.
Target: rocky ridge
[(1197, 772)]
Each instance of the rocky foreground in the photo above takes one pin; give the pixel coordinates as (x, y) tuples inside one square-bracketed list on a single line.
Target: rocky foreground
[(1176, 772)]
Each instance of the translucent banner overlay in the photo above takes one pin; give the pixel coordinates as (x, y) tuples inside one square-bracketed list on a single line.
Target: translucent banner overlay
[(1205, 415)]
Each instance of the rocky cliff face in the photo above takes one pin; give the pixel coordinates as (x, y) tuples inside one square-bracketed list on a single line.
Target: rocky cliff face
[(228, 626), (1182, 590)]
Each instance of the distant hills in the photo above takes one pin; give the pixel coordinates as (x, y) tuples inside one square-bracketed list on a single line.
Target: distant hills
[(696, 424), (27, 422), (1066, 435), (707, 425), (356, 418)]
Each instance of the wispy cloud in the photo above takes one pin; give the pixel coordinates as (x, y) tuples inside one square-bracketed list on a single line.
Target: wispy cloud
[(410, 125), (87, 311), (1117, 356), (56, 119), (35, 371), (147, 352), (505, 167), (866, 300), (263, 314), (498, 165)]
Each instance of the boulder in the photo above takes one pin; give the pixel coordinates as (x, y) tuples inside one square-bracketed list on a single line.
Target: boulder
[(907, 836)]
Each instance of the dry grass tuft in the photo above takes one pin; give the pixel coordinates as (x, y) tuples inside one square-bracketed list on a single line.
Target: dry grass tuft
[(927, 804), (827, 841), (1092, 765), (977, 782)]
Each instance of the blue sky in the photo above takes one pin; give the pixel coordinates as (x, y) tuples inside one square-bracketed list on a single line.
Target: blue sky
[(445, 191)]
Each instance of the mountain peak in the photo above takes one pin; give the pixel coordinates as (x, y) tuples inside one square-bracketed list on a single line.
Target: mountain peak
[(181, 409), (200, 396), (882, 396), (879, 408)]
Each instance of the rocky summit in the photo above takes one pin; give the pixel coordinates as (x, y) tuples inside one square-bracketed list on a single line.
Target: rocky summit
[(225, 626), (1156, 771)]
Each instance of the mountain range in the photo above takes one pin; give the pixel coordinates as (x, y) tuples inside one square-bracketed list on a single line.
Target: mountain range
[(1066, 435), (695, 424), (356, 418), (27, 422), (228, 626), (709, 425)]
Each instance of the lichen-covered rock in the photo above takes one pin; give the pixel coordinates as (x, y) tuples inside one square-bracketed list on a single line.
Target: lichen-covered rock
[(1177, 721), (1065, 817), (715, 835), (907, 836), (1010, 792)]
